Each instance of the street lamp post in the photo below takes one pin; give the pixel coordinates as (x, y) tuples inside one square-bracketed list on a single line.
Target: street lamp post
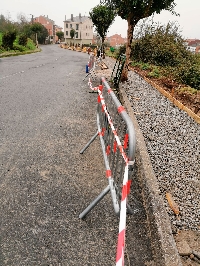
[(36, 41)]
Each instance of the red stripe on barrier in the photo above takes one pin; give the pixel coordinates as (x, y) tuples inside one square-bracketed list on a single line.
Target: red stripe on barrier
[(120, 109), (126, 190), (125, 141), (108, 173), (100, 87), (120, 245), (99, 99), (108, 150), (102, 132)]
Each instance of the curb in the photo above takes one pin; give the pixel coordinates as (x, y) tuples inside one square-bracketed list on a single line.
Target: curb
[(163, 245), (20, 53)]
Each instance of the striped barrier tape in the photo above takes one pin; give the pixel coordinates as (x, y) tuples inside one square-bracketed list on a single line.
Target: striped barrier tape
[(126, 182)]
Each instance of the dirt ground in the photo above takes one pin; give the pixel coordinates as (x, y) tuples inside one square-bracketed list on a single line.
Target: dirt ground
[(188, 244), (186, 97)]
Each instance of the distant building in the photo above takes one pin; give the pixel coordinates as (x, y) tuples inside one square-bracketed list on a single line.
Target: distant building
[(116, 40), (49, 24), (83, 27), (193, 45)]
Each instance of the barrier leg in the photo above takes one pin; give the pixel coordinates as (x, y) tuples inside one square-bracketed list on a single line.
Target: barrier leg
[(94, 203), (88, 144), (86, 76)]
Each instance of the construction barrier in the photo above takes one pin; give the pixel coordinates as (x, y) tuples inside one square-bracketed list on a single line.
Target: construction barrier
[(93, 63), (91, 67), (117, 70), (117, 137)]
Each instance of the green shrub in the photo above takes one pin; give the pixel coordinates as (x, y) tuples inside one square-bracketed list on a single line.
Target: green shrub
[(30, 45), (121, 50), (146, 66), (0, 38), (19, 48), (22, 40), (188, 74), (155, 73), (8, 39), (164, 47), (161, 45)]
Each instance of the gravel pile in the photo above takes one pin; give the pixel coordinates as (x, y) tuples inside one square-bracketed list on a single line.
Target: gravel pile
[(173, 142)]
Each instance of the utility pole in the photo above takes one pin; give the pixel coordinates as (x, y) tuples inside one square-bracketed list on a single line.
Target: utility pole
[(31, 18), (36, 41)]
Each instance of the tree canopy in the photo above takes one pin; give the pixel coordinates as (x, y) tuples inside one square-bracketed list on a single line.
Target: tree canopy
[(133, 11), (72, 33), (60, 34), (102, 17)]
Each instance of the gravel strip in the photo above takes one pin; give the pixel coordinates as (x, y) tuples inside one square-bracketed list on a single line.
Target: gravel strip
[(173, 143)]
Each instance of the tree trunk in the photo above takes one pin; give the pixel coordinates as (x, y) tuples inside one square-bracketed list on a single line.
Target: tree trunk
[(131, 26), (103, 50)]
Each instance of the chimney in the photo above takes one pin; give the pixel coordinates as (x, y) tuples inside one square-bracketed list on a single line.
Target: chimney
[(72, 19), (65, 17), (47, 16), (80, 16)]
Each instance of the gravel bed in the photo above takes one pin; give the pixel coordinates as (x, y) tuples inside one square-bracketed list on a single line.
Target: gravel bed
[(173, 143)]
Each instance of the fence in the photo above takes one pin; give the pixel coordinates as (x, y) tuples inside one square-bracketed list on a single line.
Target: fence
[(117, 137), (92, 66), (117, 70), (93, 63)]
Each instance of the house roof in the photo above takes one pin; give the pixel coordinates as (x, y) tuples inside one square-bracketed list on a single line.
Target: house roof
[(78, 19), (196, 42)]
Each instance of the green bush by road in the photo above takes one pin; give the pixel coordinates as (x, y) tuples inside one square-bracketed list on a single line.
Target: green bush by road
[(162, 50)]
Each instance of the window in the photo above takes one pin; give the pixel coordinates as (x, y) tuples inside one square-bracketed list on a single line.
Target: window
[(86, 33), (76, 34), (66, 25), (86, 26), (77, 27), (70, 26), (66, 33)]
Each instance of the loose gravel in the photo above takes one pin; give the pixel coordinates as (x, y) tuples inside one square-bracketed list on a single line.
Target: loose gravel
[(173, 143)]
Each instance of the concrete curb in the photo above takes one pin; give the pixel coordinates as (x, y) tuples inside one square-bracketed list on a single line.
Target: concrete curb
[(163, 245)]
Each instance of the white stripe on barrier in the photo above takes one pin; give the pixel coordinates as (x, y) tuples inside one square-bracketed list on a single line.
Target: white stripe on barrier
[(122, 222)]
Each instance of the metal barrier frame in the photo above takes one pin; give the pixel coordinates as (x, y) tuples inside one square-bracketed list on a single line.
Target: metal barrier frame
[(105, 132), (92, 66), (117, 70)]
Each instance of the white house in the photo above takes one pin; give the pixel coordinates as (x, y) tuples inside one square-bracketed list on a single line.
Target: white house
[(83, 27)]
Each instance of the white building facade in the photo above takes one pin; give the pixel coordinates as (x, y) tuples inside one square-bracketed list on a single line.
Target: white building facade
[(83, 27)]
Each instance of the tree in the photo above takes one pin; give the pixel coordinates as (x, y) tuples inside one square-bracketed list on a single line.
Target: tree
[(133, 11), (36, 28), (6, 24), (60, 34), (8, 39), (102, 17), (72, 33), (42, 35)]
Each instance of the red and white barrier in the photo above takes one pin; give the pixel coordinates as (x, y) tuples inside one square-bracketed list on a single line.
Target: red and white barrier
[(126, 182)]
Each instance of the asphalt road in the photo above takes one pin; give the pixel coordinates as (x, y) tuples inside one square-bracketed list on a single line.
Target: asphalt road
[(47, 115)]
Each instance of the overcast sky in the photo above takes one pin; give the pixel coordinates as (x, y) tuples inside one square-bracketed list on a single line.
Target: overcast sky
[(56, 10)]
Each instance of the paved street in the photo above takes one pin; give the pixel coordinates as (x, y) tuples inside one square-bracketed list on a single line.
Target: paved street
[(47, 115)]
